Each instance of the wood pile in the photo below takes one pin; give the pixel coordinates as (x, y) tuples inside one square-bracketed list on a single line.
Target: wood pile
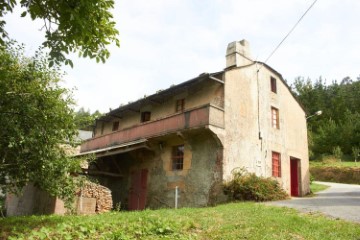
[(102, 195)]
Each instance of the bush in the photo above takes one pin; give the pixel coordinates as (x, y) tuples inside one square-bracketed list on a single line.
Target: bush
[(248, 187), (329, 159), (349, 175)]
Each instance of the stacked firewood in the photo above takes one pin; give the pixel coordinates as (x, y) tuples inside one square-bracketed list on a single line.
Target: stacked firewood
[(100, 193)]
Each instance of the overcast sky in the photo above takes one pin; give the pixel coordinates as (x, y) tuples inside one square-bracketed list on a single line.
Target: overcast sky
[(165, 42)]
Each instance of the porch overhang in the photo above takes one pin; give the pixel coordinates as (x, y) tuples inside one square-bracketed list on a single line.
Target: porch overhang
[(117, 149), (194, 118)]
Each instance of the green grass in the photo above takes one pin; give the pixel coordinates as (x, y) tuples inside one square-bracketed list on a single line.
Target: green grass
[(230, 221), (315, 187)]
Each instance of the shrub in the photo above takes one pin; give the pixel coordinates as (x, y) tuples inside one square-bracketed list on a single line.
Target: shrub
[(336, 174), (337, 152), (248, 187), (356, 152), (329, 159)]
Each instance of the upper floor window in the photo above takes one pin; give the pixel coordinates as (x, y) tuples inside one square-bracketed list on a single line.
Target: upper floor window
[(102, 128), (115, 126), (275, 123), (180, 105), (145, 116), (273, 84), (276, 164), (177, 157)]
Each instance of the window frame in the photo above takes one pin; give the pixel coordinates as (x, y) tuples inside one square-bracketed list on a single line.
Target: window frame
[(275, 118), (276, 164), (177, 158), (102, 128), (180, 105), (273, 84), (145, 116), (115, 126)]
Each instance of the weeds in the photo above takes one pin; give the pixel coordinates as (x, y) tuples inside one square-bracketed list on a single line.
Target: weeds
[(249, 187)]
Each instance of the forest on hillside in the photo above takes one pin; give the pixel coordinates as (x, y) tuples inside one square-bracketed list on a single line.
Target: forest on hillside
[(337, 131)]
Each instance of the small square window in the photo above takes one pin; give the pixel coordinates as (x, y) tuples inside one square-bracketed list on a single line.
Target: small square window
[(180, 105), (177, 157), (275, 123), (273, 84), (145, 116), (115, 126), (276, 164)]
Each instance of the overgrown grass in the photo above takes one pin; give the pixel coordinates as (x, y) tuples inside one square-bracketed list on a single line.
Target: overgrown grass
[(335, 164), (230, 221), (249, 187), (339, 172), (316, 187)]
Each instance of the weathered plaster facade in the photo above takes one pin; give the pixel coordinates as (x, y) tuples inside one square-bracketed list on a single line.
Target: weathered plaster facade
[(221, 121)]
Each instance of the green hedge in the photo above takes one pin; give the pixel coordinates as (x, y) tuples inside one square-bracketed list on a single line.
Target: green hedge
[(336, 174)]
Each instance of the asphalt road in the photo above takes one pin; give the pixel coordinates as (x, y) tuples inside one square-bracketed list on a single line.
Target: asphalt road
[(338, 201)]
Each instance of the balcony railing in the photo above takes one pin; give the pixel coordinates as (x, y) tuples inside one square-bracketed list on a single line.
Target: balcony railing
[(192, 118)]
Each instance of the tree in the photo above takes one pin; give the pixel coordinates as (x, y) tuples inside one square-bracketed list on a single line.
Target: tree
[(339, 125), (37, 123), (84, 120), (83, 26)]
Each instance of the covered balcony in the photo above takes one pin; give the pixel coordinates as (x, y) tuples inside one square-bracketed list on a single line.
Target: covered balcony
[(199, 117)]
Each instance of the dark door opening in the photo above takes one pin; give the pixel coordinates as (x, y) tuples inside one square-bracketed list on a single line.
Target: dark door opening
[(138, 189), (294, 176)]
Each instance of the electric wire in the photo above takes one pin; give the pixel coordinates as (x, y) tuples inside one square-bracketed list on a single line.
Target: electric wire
[(287, 35)]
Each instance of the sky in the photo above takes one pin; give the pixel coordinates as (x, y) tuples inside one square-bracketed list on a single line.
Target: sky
[(166, 42)]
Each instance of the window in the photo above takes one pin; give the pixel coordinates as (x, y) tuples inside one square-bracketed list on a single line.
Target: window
[(276, 164), (102, 128), (180, 105), (275, 118), (178, 157), (273, 84), (115, 126), (145, 116)]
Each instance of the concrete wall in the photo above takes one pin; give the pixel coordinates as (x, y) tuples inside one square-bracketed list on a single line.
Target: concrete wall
[(30, 201), (249, 136), (207, 92), (33, 201), (242, 147)]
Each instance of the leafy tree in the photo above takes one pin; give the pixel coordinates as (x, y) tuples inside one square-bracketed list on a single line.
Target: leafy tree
[(37, 124), (83, 26), (84, 120)]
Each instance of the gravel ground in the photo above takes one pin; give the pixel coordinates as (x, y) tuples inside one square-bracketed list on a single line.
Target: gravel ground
[(338, 201)]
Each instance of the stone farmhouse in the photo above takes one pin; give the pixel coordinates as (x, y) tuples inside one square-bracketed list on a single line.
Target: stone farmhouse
[(194, 134)]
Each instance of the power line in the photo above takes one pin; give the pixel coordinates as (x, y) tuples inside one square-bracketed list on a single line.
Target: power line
[(292, 29)]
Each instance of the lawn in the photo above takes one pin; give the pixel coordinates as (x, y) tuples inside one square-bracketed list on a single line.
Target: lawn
[(229, 221), (316, 187)]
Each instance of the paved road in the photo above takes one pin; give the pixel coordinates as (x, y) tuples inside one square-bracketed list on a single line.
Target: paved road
[(338, 201)]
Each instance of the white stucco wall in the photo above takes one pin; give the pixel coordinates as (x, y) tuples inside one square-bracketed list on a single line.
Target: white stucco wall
[(248, 102)]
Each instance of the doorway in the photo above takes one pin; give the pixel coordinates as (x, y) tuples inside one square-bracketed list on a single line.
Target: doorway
[(294, 176), (138, 189)]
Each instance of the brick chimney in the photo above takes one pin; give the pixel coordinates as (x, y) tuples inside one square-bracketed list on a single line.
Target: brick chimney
[(238, 54)]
